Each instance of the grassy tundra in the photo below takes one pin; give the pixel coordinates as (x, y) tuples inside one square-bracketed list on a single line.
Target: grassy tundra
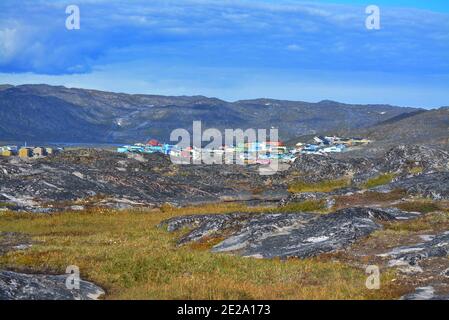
[(126, 254)]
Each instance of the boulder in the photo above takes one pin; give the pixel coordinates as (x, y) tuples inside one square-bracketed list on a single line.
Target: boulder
[(432, 185), (285, 235), (20, 286)]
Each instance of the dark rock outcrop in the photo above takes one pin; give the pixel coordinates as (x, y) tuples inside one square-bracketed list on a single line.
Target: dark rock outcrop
[(421, 171), (317, 168), (399, 160), (19, 286), (403, 158), (306, 196), (99, 177), (117, 180), (433, 185), (425, 293), (285, 235), (437, 246)]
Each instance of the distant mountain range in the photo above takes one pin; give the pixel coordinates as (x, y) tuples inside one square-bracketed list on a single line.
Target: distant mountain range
[(59, 114)]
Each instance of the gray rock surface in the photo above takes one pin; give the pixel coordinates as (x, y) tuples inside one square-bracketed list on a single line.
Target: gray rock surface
[(19, 286), (432, 185), (285, 235), (148, 180), (436, 246), (121, 181), (425, 293), (402, 158), (316, 168), (306, 196)]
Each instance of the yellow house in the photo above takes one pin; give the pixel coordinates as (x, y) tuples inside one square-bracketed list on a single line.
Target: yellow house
[(25, 153), (6, 153)]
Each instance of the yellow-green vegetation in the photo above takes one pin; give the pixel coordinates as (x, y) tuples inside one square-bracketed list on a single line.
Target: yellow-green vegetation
[(6, 204), (126, 254), (323, 186), (373, 196), (423, 206), (212, 208), (318, 206), (379, 180), (434, 222), (416, 170)]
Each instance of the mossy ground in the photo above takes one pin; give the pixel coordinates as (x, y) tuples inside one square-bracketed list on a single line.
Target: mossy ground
[(317, 206), (323, 186), (379, 180)]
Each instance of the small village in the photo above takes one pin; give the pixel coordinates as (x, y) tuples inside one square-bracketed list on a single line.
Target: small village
[(27, 152), (248, 153), (252, 152)]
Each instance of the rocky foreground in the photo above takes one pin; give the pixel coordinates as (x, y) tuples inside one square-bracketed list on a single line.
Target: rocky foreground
[(21, 286), (293, 235), (375, 194)]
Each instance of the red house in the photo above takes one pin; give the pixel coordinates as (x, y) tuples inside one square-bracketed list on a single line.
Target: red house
[(153, 143)]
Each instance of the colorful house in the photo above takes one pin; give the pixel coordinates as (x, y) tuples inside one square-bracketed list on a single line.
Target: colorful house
[(123, 149), (6, 153), (25, 153), (153, 143), (39, 152)]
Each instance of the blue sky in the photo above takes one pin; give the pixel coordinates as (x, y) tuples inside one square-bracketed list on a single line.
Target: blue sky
[(298, 50)]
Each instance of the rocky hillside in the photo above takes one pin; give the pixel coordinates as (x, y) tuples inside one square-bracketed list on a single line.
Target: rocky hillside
[(93, 177), (59, 114), (425, 127)]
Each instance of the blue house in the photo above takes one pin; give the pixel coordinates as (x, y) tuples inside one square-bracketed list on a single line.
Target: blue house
[(311, 147)]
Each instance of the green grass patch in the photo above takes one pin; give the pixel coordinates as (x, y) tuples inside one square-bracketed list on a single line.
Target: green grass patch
[(323, 186), (379, 180), (6, 204), (305, 206), (373, 196), (419, 206), (416, 170), (434, 222)]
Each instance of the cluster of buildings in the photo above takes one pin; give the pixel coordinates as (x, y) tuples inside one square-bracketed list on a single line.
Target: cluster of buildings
[(26, 152), (251, 153), (323, 145), (256, 152)]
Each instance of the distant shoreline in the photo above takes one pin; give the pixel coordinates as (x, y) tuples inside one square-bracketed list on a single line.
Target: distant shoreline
[(62, 144)]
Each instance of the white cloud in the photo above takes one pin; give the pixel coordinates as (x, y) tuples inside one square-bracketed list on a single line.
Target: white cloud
[(294, 47), (8, 44)]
